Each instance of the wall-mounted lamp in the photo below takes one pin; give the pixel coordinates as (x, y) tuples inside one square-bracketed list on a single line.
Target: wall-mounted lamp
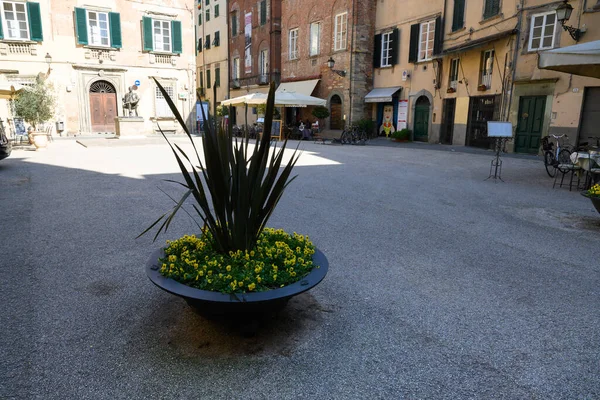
[(331, 64), (48, 59), (563, 13)]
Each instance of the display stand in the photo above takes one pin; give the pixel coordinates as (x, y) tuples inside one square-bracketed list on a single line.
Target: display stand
[(502, 132)]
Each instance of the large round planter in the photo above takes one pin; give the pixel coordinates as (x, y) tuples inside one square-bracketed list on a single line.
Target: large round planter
[(247, 305), (595, 200), (40, 140)]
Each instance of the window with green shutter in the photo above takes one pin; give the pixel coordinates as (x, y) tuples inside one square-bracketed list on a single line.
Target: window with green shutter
[(115, 30), (263, 12), (81, 25), (176, 38), (216, 10), (200, 19), (147, 33), (201, 75), (207, 42), (208, 78), (458, 17), (207, 2), (217, 40), (217, 76), (199, 45), (35, 21), (234, 23), (492, 8)]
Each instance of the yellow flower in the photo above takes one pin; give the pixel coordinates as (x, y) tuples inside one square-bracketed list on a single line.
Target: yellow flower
[(258, 279), (275, 277), (240, 284), (251, 286), (228, 268)]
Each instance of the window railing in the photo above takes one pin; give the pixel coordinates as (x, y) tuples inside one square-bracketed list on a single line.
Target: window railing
[(19, 48)]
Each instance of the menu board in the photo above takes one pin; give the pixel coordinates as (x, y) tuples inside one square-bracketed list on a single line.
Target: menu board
[(276, 129)]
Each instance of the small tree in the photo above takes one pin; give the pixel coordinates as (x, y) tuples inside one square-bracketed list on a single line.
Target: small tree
[(36, 104), (320, 112)]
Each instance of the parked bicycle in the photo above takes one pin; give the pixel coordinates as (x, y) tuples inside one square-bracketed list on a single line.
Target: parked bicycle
[(354, 135), (554, 157)]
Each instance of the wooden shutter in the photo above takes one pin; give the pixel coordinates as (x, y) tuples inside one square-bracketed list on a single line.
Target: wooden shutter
[(217, 41), (217, 76), (177, 44), (81, 25), (377, 52), (116, 40), (263, 12), (492, 7), (234, 23), (147, 33), (200, 45), (1, 31), (216, 10), (200, 19), (437, 41), (207, 42), (458, 16), (395, 45), (208, 78), (413, 51), (35, 22)]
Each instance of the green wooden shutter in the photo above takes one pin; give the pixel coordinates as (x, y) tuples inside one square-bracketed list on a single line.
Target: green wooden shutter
[(1, 31), (115, 30), (216, 10), (147, 33), (377, 52), (200, 18), (458, 17), (35, 22), (81, 25), (177, 47), (234, 28), (208, 78), (437, 41), (217, 38), (394, 45), (201, 80), (492, 7), (263, 12), (200, 45), (217, 76), (413, 51)]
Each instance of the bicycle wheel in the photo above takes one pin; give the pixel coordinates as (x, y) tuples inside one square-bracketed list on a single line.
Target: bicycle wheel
[(564, 159), (549, 163), (345, 138)]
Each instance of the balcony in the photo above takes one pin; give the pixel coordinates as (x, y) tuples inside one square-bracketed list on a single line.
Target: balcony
[(256, 80)]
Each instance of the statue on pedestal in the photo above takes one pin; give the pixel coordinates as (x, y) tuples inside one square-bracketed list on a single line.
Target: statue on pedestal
[(130, 102)]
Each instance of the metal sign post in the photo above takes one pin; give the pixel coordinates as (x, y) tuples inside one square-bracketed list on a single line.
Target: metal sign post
[(502, 131)]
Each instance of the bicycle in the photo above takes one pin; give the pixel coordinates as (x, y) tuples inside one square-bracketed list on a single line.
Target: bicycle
[(553, 158), (354, 135)]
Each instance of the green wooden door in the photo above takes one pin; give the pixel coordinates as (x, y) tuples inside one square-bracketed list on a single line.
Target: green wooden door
[(421, 120), (531, 122)]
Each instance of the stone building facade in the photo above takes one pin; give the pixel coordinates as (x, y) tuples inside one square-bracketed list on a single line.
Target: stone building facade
[(315, 32), (254, 50), (93, 51)]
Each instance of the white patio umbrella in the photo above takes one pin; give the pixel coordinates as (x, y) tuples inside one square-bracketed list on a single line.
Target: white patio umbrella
[(243, 100), (580, 59), (285, 98)]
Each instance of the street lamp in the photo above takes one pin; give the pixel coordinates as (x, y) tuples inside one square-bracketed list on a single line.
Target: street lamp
[(331, 64), (563, 13), (48, 59)]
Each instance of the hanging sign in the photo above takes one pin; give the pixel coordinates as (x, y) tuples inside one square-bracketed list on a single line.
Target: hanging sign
[(402, 114)]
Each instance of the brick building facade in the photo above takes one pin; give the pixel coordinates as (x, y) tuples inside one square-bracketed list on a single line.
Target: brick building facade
[(314, 32)]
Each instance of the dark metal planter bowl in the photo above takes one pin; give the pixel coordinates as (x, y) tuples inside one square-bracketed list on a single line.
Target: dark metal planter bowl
[(595, 200), (213, 304)]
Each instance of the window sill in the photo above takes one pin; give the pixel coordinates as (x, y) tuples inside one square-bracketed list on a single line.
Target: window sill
[(385, 66), (163, 53), (99, 47), (19, 41), (464, 28), (533, 51), (493, 17)]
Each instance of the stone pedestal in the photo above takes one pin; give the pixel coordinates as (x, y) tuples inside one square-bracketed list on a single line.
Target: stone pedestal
[(129, 126)]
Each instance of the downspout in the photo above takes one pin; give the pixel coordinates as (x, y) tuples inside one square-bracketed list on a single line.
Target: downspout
[(514, 60), (350, 68), (227, 56)]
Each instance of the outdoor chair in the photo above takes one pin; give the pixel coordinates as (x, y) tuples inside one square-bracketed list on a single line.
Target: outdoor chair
[(564, 169)]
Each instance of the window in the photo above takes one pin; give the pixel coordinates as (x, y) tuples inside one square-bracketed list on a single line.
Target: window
[(293, 44), (207, 42), (386, 49), (201, 75), (315, 38), (207, 14), (541, 34), (200, 19), (216, 10), (426, 40), (217, 76), (162, 35), (458, 17), (98, 28), (453, 79), (208, 77), (236, 68), (234, 23), (487, 64), (264, 63), (217, 39), (200, 45), (15, 17), (162, 107), (207, 2), (492, 8), (263, 12), (339, 34)]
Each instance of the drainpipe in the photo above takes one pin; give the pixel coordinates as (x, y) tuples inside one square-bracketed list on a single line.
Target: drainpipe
[(227, 57), (350, 68), (514, 61)]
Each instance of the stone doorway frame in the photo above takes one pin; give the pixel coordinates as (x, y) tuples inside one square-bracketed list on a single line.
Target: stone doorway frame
[(413, 104)]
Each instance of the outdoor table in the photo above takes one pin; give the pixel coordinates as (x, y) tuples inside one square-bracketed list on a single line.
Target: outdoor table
[(586, 161)]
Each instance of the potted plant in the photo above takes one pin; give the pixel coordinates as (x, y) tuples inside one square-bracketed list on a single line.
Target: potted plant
[(451, 90), (482, 88), (36, 105), (402, 135), (234, 264), (593, 194), (320, 112)]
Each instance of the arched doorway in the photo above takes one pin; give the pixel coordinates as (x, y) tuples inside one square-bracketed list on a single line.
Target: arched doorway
[(336, 120), (103, 106), (421, 119)]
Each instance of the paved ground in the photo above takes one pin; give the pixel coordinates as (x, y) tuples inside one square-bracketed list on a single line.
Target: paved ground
[(441, 285)]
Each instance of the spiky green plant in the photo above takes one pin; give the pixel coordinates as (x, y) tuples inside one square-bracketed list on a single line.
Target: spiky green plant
[(235, 190)]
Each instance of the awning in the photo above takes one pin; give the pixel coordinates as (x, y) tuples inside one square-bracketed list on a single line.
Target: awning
[(303, 87), (381, 95), (470, 44), (580, 59), (8, 90)]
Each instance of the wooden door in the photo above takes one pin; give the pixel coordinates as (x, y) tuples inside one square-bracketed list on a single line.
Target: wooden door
[(103, 107), (421, 119), (590, 117), (447, 128), (531, 121), (336, 120)]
